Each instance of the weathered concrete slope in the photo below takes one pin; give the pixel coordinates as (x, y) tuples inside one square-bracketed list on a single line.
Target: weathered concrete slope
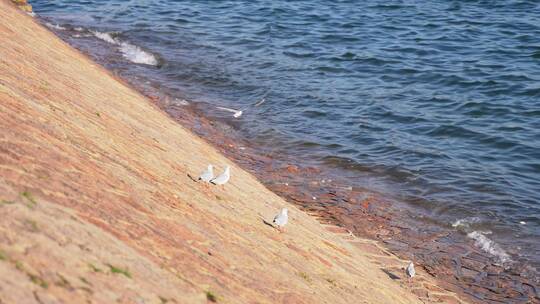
[(96, 205)]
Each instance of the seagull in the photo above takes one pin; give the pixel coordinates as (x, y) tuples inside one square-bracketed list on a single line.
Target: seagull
[(281, 219), (223, 178), (238, 113), (207, 175), (410, 270)]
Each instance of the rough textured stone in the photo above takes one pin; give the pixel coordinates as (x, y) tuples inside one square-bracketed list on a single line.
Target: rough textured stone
[(97, 203), (23, 5)]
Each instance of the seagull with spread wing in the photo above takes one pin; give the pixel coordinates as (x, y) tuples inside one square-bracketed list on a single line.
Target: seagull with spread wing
[(238, 113), (223, 178), (207, 175)]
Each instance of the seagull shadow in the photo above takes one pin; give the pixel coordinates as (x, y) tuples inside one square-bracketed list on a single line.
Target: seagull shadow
[(192, 178), (268, 223), (390, 275)]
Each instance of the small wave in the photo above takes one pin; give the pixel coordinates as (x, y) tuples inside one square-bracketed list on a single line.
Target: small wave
[(489, 246), (81, 32), (181, 102), (55, 26), (466, 222), (313, 114), (298, 55), (107, 37), (135, 54), (129, 51), (480, 239), (82, 35)]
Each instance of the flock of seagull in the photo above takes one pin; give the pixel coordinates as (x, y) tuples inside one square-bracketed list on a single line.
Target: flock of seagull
[(281, 219), (222, 179)]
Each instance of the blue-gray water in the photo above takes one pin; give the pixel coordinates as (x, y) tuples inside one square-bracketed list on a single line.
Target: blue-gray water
[(436, 103)]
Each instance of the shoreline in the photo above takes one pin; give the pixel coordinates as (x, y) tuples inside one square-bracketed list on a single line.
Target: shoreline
[(333, 205), (93, 217), (367, 156), (360, 213), (448, 255), (472, 274)]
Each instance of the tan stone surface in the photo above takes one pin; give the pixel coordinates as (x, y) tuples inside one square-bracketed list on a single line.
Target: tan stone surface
[(23, 5), (96, 205)]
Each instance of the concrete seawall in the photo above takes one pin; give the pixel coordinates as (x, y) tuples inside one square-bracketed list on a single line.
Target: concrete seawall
[(97, 203)]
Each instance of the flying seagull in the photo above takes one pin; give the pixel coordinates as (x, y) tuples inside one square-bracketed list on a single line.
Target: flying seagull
[(238, 113), (223, 178), (410, 271), (207, 175), (280, 220)]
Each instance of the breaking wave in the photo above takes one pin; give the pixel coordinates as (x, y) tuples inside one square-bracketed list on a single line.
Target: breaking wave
[(135, 54), (107, 37), (129, 51), (480, 239), (489, 246), (466, 222), (181, 102), (55, 26)]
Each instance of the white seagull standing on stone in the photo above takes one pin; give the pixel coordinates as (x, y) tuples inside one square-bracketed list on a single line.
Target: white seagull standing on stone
[(410, 270), (223, 178), (207, 175), (281, 219)]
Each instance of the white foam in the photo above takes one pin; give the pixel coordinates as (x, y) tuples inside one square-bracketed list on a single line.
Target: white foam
[(81, 35), (181, 102), (489, 246), (107, 37), (135, 54), (55, 26), (457, 223), (129, 51), (465, 222)]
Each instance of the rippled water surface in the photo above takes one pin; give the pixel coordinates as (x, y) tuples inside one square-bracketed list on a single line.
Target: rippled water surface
[(435, 103)]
